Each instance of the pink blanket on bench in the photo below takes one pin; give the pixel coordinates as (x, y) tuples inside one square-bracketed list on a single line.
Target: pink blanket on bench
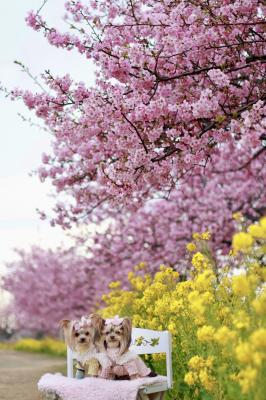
[(94, 388)]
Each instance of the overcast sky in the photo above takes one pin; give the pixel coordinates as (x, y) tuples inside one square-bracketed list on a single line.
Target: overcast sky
[(21, 144)]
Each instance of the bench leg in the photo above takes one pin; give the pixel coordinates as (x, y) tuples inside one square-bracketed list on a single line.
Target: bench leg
[(142, 396), (152, 396), (156, 396)]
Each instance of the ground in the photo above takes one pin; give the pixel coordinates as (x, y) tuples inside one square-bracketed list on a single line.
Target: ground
[(20, 372)]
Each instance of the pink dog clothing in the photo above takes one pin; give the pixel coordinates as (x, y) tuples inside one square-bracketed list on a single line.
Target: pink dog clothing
[(128, 363)]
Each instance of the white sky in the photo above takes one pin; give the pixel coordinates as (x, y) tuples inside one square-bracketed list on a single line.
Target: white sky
[(21, 145)]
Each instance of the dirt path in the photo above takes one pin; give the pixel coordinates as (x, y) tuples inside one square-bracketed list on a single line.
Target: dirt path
[(20, 372)]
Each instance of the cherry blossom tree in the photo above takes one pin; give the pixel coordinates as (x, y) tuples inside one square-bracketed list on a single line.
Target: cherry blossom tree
[(177, 83), (47, 286), (158, 232), (171, 139)]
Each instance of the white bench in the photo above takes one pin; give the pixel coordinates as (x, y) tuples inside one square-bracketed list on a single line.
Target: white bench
[(153, 342)]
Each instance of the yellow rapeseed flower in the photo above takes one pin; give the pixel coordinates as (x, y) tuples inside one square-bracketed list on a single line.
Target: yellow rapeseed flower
[(177, 306), (199, 319), (241, 285), (258, 358), (197, 309), (140, 266), (206, 380), (257, 232), (166, 275), (242, 242), (258, 270), (130, 275), (258, 339), (115, 285), (190, 378), (207, 298), (202, 236), (205, 333), (196, 236), (196, 303), (224, 335), (196, 363), (199, 261), (183, 288), (247, 379), (241, 320), (224, 312), (206, 235), (244, 353), (209, 362), (263, 223), (172, 328), (237, 216), (205, 280), (191, 247), (259, 304)]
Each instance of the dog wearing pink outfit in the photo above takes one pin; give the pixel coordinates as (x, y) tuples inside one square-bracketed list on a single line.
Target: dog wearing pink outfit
[(126, 364)]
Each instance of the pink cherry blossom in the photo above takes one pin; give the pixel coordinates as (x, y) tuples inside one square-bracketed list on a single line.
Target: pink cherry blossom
[(48, 286)]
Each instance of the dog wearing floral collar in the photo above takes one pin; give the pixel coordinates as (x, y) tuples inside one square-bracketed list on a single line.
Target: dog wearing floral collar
[(116, 339), (83, 336)]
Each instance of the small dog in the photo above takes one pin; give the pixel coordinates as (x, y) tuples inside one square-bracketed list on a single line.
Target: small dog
[(116, 339), (83, 337)]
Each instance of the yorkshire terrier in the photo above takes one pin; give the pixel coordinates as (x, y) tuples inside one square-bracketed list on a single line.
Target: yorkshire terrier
[(83, 338), (116, 339)]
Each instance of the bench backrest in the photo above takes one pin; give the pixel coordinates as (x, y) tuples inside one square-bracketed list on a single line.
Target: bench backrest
[(144, 341)]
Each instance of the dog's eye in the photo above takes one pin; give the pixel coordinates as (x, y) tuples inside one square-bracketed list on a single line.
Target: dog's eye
[(76, 334), (87, 333)]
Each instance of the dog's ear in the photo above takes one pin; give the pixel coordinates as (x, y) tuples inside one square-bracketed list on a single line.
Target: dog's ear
[(67, 326), (98, 325), (64, 323), (126, 341)]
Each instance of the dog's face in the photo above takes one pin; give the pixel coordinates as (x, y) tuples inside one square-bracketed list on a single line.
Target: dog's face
[(117, 334), (84, 334)]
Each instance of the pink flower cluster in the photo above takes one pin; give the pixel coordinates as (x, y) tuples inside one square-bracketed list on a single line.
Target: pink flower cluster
[(159, 231), (172, 80), (48, 286)]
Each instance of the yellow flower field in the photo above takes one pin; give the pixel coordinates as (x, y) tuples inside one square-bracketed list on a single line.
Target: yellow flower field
[(47, 345), (217, 317)]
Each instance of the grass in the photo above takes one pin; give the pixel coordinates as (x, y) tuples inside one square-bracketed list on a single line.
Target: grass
[(47, 345)]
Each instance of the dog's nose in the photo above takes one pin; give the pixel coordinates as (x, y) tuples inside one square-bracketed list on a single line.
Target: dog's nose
[(112, 337), (82, 340)]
